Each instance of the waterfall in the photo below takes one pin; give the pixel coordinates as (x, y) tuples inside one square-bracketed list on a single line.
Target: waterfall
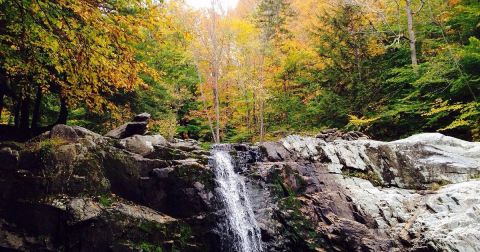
[(240, 224)]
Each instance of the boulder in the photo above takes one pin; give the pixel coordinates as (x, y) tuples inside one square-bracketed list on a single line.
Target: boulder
[(330, 135), (143, 117), (8, 159), (128, 130), (139, 126), (64, 132), (142, 145), (364, 195)]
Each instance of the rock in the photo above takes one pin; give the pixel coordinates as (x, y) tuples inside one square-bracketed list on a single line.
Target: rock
[(335, 187), (330, 135), (82, 194), (142, 145), (274, 151), (85, 133), (8, 159), (64, 132), (128, 130), (83, 210), (143, 117), (139, 126), (330, 193)]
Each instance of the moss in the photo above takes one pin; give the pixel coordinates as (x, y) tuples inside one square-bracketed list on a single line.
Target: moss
[(185, 233), (105, 201), (367, 175), (153, 228), (148, 247), (195, 173), (437, 185), (299, 228), (206, 146), (475, 176)]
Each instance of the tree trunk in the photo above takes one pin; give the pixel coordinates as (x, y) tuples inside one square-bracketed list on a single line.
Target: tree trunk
[(217, 109), (62, 117), (262, 126), (25, 114), (36, 108), (2, 96), (215, 71), (411, 34), (16, 121)]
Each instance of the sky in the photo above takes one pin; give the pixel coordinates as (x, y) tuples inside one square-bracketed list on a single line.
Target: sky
[(226, 4)]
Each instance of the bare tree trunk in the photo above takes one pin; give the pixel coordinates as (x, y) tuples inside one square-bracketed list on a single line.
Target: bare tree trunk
[(2, 95), (262, 126), (25, 113), (411, 34), (204, 101), (16, 120), (63, 115), (36, 108), (215, 71), (217, 109)]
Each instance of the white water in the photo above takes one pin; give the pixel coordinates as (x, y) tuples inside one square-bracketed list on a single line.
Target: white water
[(240, 220)]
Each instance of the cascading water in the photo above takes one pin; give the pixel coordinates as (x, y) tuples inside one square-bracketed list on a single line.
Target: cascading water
[(240, 224)]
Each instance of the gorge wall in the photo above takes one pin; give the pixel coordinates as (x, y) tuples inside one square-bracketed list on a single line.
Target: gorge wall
[(73, 190)]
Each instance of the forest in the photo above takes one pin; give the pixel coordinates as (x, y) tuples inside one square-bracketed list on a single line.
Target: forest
[(260, 71)]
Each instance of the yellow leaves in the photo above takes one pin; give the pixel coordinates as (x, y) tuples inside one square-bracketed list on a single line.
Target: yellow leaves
[(443, 106), (465, 115), (361, 122)]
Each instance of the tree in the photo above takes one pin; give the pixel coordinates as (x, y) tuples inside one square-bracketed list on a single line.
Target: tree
[(81, 51)]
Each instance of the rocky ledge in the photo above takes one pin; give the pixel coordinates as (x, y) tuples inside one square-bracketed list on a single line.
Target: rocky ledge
[(417, 194), (73, 190)]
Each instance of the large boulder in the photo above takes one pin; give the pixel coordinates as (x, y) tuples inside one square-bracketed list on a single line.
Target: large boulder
[(332, 194), (142, 145), (139, 126), (64, 189), (8, 158)]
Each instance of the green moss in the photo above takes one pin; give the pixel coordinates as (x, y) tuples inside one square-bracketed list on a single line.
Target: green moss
[(105, 201), (299, 228), (148, 247), (206, 146), (195, 173), (153, 228), (437, 185), (185, 233), (367, 175)]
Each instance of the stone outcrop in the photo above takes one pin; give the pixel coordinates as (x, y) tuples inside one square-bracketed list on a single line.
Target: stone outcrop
[(139, 126), (73, 190), (415, 194)]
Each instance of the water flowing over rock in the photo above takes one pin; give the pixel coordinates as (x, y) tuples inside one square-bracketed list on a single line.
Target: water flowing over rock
[(73, 190), (241, 230)]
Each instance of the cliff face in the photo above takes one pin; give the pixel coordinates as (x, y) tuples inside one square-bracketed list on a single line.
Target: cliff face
[(416, 194), (73, 190)]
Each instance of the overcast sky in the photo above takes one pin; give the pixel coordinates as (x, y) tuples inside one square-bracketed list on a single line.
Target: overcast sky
[(226, 4)]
